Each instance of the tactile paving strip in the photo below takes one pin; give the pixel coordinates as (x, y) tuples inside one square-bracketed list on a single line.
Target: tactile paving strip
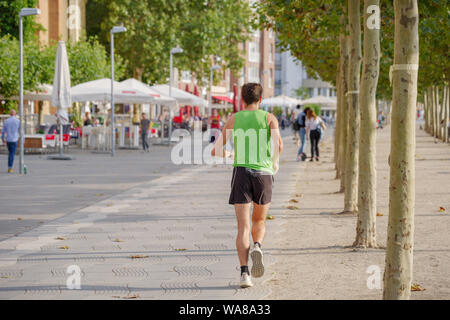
[(170, 237), (130, 272), (192, 271), (182, 290), (11, 274)]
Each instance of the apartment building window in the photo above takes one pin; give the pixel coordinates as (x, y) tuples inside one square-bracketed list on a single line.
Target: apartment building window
[(253, 74), (253, 51), (186, 76)]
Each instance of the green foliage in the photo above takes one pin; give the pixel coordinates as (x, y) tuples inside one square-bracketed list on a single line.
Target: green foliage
[(317, 108), (310, 30), (277, 111), (202, 29), (88, 61), (9, 18), (302, 92)]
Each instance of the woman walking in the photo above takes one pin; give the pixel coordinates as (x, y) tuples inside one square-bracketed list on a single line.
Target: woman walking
[(314, 125)]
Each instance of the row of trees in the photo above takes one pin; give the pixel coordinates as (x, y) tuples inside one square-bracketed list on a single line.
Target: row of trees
[(202, 28), (88, 61), (437, 111), (326, 36)]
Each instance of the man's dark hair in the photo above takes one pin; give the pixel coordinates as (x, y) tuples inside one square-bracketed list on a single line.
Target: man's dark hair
[(306, 109), (251, 93), (298, 106)]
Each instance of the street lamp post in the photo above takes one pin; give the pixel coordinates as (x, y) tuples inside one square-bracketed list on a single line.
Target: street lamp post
[(172, 52), (114, 30), (23, 13), (211, 76)]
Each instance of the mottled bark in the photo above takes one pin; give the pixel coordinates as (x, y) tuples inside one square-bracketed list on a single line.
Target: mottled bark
[(354, 70), (446, 103), (400, 233), (367, 210), (337, 130), (425, 112), (431, 104), (344, 45)]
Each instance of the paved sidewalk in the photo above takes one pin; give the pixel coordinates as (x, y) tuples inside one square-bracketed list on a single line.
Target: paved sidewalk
[(179, 225), (314, 257)]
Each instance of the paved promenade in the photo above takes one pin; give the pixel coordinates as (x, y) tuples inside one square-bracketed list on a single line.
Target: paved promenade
[(170, 237)]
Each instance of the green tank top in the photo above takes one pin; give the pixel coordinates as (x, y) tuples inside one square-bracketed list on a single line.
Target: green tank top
[(251, 136)]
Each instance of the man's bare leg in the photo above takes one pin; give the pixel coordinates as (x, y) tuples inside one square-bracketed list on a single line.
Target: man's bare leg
[(243, 236), (259, 222)]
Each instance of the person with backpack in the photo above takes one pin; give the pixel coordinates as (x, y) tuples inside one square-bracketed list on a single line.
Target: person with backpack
[(301, 122), (295, 126), (314, 125)]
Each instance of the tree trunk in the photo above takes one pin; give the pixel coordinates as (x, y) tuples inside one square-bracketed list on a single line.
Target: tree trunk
[(354, 70), (367, 204), (337, 131), (425, 112), (431, 103), (400, 233), (446, 104), (344, 57)]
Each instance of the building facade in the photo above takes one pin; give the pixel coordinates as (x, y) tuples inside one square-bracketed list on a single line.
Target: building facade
[(61, 19), (290, 75)]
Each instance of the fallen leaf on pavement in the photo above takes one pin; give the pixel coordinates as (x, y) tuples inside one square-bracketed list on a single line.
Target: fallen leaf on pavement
[(134, 296), (19, 218), (270, 217), (139, 256), (293, 201), (118, 240), (441, 209), (180, 249), (60, 238), (417, 287), (292, 207), (64, 247), (299, 195), (379, 214)]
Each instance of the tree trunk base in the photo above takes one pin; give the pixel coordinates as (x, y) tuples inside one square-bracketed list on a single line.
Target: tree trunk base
[(347, 213)]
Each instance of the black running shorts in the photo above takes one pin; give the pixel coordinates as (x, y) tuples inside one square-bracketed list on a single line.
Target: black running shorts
[(249, 185)]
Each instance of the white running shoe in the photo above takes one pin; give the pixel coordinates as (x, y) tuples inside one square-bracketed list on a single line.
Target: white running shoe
[(258, 263), (246, 281)]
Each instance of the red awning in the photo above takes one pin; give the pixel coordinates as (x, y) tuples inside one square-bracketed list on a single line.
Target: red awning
[(223, 98)]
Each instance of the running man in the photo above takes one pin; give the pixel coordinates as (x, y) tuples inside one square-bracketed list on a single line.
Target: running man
[(252, 181)]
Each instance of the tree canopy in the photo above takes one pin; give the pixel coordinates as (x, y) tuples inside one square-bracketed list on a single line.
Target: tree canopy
[(310, 30), (202, 29), (88, 60)]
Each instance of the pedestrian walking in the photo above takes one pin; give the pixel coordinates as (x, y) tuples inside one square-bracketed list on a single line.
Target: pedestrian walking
[(301, 122), (145, 125), (295, 127), (380, 120), (252, 180), (215, 126), (314, 125), (10, 129)]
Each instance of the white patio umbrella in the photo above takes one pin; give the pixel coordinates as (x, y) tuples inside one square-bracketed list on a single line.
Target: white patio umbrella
[(61, 94), (160, 98), (100, 90), (280, 101), (182, 97), (320, 100)]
